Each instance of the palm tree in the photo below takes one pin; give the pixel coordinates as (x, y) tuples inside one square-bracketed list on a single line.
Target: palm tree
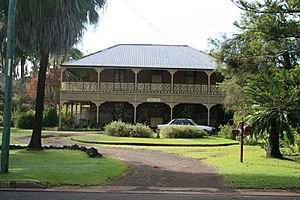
[(51, 26), (274, 106)]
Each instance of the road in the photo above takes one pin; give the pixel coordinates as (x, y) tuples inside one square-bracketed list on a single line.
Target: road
[(15, 195)]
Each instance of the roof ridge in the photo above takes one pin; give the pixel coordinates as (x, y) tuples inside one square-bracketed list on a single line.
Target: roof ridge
[(141, 44)]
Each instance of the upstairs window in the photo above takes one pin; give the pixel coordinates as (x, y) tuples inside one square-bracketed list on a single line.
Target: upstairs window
[(119, 75), (156, 77), (190, 77)]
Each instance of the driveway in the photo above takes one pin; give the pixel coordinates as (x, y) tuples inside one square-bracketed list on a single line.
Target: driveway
[(155, 169)]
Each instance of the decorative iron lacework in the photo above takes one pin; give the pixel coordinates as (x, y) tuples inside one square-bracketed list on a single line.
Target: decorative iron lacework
[(143, 88)]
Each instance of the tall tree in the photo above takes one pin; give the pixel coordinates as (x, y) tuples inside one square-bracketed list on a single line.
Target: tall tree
[(51, 26), (269, 38), (273, 105)]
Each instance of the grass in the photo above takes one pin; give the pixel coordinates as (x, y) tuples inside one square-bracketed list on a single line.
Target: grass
[(106, 139), (62, 167)]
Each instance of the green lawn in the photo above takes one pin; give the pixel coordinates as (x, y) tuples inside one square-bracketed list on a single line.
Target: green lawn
[(106, 139), (62, 167)]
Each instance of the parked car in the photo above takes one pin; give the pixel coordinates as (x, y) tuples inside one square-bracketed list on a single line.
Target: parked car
[(178, 122)]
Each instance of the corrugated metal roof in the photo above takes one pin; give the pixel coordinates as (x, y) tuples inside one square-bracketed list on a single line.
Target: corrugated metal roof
[(147, 56)]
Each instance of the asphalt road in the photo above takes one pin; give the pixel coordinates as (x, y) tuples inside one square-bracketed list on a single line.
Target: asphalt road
[(18, 195)]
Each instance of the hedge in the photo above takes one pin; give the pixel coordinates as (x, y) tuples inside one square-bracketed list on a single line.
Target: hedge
[(183, 132), (121, 129)]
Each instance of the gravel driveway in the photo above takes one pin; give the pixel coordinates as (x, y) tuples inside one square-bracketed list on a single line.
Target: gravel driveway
[(157, 169)]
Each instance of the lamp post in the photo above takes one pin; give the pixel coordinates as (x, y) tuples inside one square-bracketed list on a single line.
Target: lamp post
[(8, 86)]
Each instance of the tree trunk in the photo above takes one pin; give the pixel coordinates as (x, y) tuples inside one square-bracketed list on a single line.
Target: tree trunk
[(273, 150), (287, 61), (36, 137), (23, 61)]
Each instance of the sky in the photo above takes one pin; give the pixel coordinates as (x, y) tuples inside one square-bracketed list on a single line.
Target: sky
[(175, 22)]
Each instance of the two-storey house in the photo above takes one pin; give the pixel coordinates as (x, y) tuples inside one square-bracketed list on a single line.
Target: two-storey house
[(143, 83)]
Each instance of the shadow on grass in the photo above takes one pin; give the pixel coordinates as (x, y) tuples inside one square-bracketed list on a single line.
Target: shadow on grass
[(151, 176)]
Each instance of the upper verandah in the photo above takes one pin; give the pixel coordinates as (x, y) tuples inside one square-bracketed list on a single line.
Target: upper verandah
[(147, 56)]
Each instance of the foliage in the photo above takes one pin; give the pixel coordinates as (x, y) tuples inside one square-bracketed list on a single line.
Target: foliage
[(118, 128), (121, 129), (24, 120), (141, 130), (82, 124), (20, 103), (52, 87), (67, 120), (297, 142), (38, 35), (72, 54), (226, 132), (183, 132), (1, 118), (274, 105), (269, 38), (54, 35), (50, 118)]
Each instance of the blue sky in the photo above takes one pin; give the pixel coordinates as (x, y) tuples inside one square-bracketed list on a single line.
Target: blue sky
[(189, 22)]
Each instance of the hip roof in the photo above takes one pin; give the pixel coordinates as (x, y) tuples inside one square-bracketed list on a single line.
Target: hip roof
[(147, 56)]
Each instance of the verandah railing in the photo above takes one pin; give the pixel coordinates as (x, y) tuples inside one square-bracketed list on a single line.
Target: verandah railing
[(143, 88)]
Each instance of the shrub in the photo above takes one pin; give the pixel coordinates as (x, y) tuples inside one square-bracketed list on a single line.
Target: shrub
[(118, 128), (141, 130), (50, 118), (67, 120), (183, 132), (297, 142), (82, 124), (24, 120), (1, 118), (121, 129), (226, 132)]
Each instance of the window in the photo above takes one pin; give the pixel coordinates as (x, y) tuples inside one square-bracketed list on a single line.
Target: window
[(190, 77), (156, 77), (120, 75)]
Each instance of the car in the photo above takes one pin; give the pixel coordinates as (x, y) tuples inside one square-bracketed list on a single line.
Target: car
[(178, 122)]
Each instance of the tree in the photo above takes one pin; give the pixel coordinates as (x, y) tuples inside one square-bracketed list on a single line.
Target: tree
[(52, 87), (269, 38), (274, 106), (51, 26)]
